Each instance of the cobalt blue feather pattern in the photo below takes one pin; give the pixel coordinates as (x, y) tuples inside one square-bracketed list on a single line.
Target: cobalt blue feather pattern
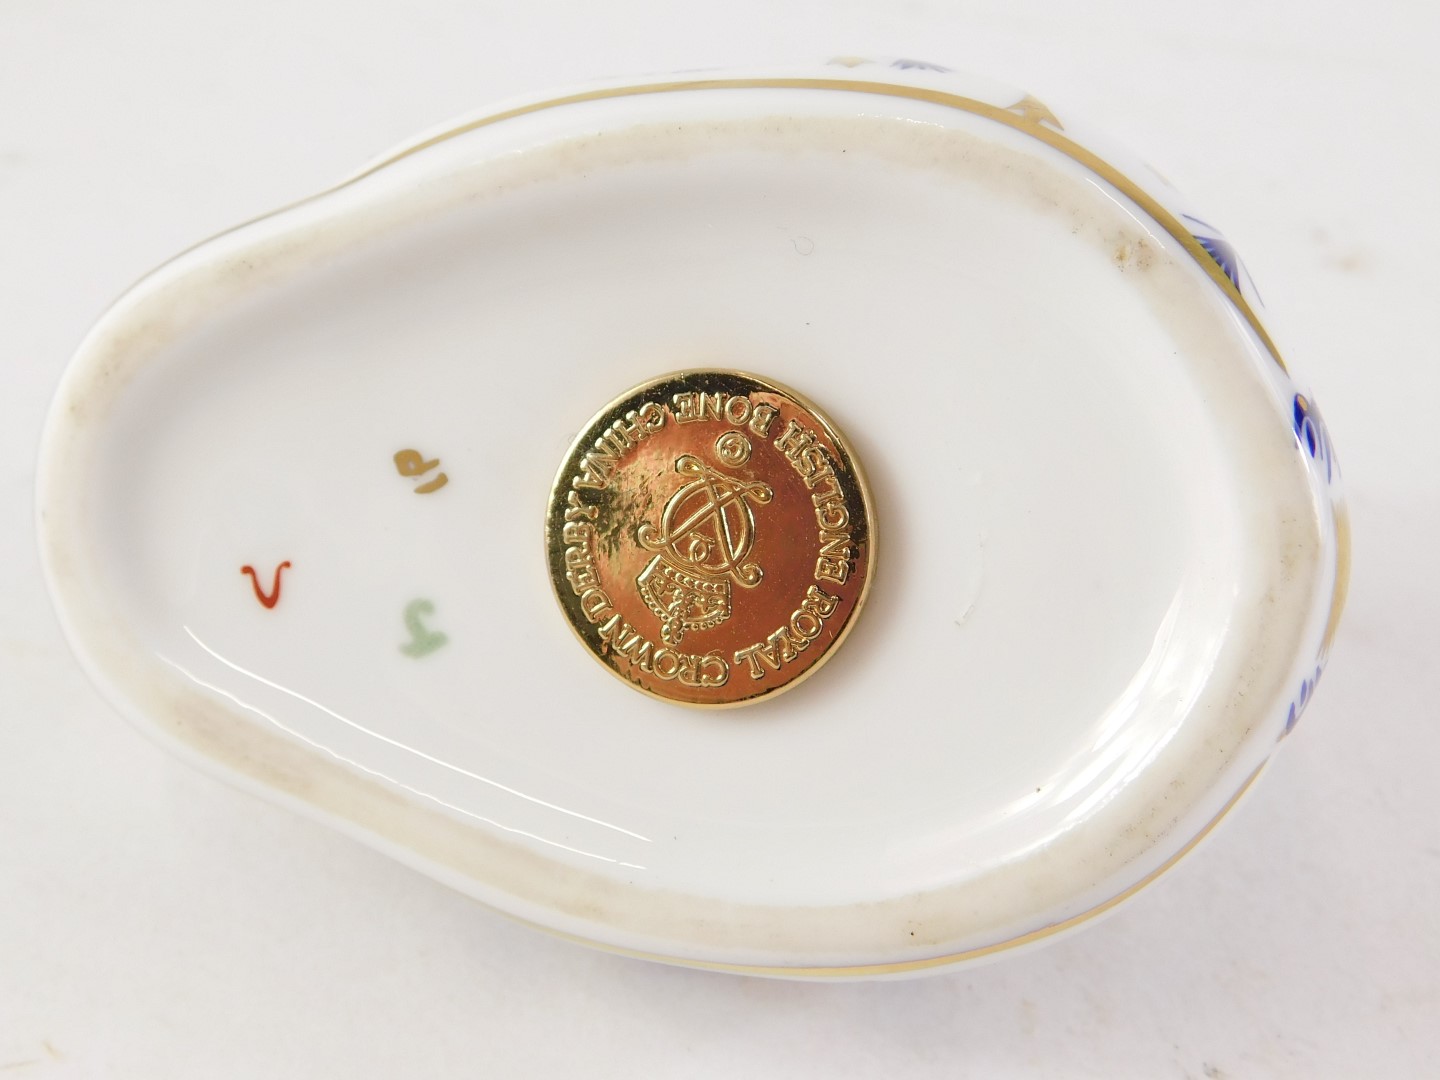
[(1224, 254), (1313, 435), (1307, 689), (919, 65)]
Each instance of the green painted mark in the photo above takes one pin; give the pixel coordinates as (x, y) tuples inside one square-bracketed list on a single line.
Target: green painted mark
[(423, 640)]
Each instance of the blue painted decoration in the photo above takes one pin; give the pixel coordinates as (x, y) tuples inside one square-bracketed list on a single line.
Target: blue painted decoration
[(1307, 690), (919, 65), (1313, 435), (1224, 254)]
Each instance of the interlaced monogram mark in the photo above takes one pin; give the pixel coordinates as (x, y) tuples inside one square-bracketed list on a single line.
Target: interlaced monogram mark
[(706, 534)]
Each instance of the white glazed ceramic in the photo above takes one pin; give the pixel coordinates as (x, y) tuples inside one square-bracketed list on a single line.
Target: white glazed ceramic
[(1111, 553)]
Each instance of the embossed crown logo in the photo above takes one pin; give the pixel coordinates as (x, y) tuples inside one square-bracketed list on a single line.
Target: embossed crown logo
[(706, 534)]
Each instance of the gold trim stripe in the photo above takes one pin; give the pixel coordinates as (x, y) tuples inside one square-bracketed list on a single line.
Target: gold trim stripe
[(1341, 591), (1028, 121)]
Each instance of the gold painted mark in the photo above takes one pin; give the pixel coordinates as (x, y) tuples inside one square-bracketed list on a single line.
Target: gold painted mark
[(423, 641), (1034, 111), (413, 463)]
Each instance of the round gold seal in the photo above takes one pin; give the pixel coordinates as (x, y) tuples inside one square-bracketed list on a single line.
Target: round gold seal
[(709, 538)]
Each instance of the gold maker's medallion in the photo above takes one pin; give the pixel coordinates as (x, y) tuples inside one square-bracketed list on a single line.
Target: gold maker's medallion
[(709, 538)]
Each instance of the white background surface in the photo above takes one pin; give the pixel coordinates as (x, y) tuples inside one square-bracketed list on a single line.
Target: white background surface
[(154, 923)]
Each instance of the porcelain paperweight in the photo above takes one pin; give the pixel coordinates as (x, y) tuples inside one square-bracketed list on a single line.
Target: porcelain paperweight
[(893, 405)]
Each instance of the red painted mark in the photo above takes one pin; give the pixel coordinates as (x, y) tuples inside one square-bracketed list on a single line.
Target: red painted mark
[(274, 597)]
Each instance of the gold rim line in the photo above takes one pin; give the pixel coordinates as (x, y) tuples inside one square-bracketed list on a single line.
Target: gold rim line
[(1034, 127), (904, 966), (1341, 590)]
